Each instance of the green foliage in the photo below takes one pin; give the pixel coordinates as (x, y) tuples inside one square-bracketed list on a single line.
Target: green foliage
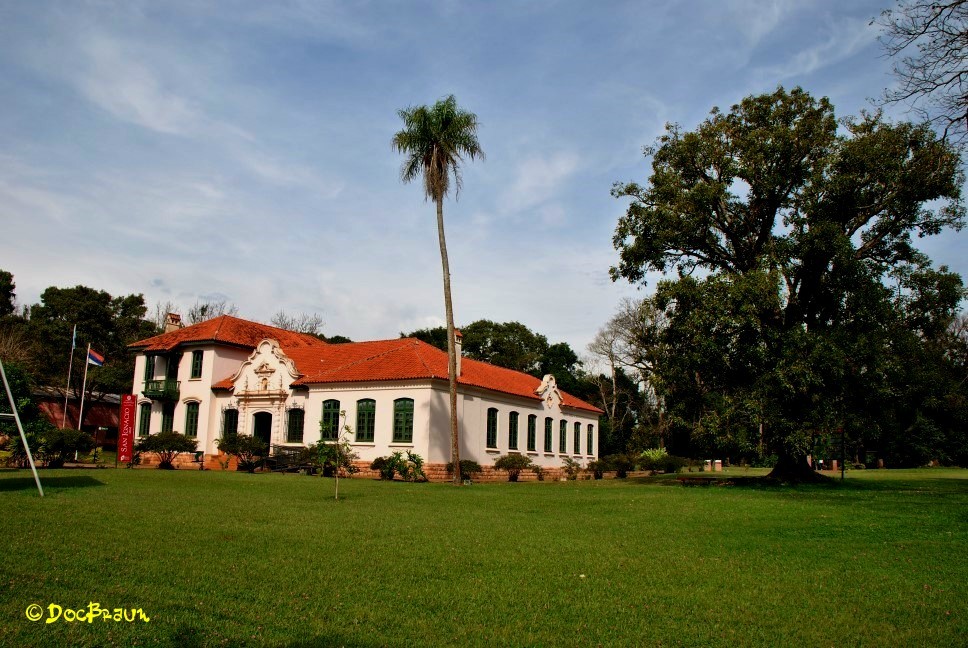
[(653, 454), (513, 464), (51, 446), (409, 467), (598, 468), (167, 445), (571, 467), (792, 329), (8, 296), (468, 468), (250, 451), (331, 456), (620, 463)]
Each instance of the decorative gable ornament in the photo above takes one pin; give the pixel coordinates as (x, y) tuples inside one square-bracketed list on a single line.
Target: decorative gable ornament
[(548, 392)]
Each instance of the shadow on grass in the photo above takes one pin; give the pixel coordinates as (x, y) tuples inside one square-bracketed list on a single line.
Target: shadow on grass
[(27, 483)]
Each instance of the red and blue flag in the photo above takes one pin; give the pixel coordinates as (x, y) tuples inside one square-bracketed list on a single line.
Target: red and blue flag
[(95, 358)]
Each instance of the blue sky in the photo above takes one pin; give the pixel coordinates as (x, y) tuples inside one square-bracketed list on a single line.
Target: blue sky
[(240, 150)]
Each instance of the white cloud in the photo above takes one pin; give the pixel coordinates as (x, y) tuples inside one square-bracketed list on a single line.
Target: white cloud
[(537, 179), (845, 37)]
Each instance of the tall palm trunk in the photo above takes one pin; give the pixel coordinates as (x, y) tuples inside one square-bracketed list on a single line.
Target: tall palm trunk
[(451, 350)]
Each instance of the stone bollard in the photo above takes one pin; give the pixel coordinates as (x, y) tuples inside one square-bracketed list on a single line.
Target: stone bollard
[(718, 466), (709, 465), (834, 466), (880, 463)]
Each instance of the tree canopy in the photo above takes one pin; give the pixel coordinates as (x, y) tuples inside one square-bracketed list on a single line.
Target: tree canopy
[(784, 231)]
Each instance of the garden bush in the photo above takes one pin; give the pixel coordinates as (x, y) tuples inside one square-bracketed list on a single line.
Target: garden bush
[(167, 445), (571, 467), (598, 468), (247, 449), (513, 464), (621, 464), (468, 468)]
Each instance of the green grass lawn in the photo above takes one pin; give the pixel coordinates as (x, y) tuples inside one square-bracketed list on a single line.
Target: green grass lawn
[(232, 559)]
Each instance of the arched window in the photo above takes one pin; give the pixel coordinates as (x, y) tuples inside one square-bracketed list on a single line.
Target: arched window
[(365, 420), (513, 431), (144, 423), (295, 425), (590, 448), (403, 420), (492, 427), (230, 422), (329, 424), (191, 419), (532, 433), (548, 447), (563, 437), (577, 438)]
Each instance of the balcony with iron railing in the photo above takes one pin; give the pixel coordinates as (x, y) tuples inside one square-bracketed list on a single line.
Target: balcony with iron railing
[(162, 389)]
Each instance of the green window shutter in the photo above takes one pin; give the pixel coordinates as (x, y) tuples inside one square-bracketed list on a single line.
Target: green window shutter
[(492, 427), (294, 427), (577, 438), (532, 433), (149, 367), (590, 448), (329, 425), (403, 420), (365, 420), (197, 363), (563, 437), (191, 419), (513, 431), (548, 435), (144, 422), (230, 422), (168, 417)]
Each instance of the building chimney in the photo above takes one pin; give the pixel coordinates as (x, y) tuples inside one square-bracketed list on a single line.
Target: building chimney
[(173, 322), (458, 345)]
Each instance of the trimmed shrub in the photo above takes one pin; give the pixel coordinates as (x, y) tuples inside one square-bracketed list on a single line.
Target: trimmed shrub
[(571, 467), (249, 450), (620, 463), (597, 468), (468, 468), (386, 466), (167, 445), (513, 464)]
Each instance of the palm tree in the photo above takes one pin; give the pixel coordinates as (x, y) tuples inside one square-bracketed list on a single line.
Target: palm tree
[(434, 141)]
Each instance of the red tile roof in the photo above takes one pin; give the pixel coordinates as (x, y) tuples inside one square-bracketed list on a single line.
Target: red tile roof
[(405, 359), (226, 330)]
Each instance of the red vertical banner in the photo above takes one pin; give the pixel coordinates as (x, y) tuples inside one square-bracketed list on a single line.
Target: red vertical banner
[(126, 428)]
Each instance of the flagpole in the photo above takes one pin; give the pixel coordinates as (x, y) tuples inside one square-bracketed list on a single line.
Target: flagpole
[(80, 414), (70, 366)]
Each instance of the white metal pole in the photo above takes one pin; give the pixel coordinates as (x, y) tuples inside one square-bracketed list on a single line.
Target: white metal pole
[(20, 428), (70, 367)]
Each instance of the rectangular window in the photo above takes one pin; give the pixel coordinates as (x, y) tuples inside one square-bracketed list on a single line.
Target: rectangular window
[(171, 369), (294, 427), (403, 420), (563, 437), (365, 420), (230, 422), (492, 427), (577, 438), (329, 425), (513, 431), (532, 433), (548, 435), (168, 417), (197, 364), (590, 448), (191, 420), (144, 422), (149, 367)]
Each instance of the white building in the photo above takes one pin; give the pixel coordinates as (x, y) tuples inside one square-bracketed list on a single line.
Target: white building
[(230, 375)]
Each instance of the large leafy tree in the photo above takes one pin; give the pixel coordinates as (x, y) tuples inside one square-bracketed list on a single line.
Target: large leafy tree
[(792, 226), (434, 141), (108, 323)]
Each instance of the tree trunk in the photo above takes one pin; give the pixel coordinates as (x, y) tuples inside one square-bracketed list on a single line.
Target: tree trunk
[(451, 351), (795, 470)]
